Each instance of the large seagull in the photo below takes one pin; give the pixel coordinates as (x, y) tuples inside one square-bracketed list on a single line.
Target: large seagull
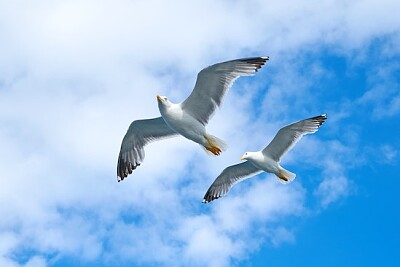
[(265, 160), (187, 118)]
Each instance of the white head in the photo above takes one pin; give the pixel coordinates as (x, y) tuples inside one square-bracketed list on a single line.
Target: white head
[(247, 155), (163, 101)]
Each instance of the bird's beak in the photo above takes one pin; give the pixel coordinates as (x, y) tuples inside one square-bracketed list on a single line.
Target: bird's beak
[(241, 158), (159, 98)]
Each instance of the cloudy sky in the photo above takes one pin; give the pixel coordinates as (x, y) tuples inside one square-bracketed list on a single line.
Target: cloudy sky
[(75, 74)]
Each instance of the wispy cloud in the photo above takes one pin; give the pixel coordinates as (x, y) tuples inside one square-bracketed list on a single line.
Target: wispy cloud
[(332, 188), (383, 92)]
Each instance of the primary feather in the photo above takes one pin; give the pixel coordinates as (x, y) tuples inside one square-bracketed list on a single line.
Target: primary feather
[(140, 133), (289, 135), (228, 178)]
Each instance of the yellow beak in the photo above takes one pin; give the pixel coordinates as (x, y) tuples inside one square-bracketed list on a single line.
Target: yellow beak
[(159, 98), (241, 158)]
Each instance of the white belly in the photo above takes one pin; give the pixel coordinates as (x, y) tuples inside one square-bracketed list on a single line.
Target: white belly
[(184, 124), (266, 164)]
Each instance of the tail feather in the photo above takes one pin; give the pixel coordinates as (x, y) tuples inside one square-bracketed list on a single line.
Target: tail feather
[(215, 145), (285, 176)]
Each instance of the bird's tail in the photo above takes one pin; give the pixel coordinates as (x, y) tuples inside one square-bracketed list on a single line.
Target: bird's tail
[(285, 176), (214, 145)]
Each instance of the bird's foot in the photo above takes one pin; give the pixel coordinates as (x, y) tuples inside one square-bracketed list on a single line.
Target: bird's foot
[(282, 177), (214, 149)]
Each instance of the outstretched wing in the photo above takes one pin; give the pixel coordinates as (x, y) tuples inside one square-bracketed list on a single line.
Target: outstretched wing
[(214, 81), (229, 177), (140, 133), (289, 135)]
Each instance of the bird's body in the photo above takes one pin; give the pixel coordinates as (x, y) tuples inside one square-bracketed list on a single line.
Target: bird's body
[(267, 164), (265, 160), (259, 160), (182, 122), (188, 118)]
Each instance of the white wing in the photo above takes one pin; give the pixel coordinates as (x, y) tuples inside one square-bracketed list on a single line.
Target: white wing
[(214, 81), (140, 133), (229, 177), (289, 135)]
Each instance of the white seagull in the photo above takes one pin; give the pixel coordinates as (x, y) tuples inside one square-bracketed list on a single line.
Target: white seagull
[(187, 118), (265, 160)]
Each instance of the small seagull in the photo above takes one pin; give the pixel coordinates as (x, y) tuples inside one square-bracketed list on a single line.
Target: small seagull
[(187, 118), (265, 160)]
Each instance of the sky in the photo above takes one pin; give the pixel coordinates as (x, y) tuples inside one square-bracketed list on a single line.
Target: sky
[(75, 74)]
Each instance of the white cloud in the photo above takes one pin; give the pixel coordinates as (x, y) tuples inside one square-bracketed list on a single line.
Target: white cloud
[(332, 189), (74, 74), (36, 262), (382, 96), (282, 235), (389, 153)]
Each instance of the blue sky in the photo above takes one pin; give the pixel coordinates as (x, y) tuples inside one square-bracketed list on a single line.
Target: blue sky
[(74, 74)]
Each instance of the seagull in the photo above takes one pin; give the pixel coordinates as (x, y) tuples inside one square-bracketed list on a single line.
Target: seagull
[(265, 160), (187, 118)]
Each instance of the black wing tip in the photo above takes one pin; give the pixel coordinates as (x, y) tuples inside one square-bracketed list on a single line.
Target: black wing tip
[(258, 62), (209, 197), (123, 170), (320, 119), (255, 59)]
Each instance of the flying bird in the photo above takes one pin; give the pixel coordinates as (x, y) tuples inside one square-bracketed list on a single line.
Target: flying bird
[(187, 118), (265, 160)]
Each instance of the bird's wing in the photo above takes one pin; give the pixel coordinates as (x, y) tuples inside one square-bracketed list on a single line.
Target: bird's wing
[(140, 133), (214, 81), (229, 177), (289, 135)]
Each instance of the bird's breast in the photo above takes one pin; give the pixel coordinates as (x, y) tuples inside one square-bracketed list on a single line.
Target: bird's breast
[(266, 164), (171, 115), (182, 122)]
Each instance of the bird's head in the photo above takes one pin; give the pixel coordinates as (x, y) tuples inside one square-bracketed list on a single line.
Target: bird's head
[(246, 155), (163, 101), (162, 98)]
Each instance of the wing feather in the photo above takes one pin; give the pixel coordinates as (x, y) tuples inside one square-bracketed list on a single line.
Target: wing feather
[(289, 135), (228, 178), (213, 82), (140, 133)]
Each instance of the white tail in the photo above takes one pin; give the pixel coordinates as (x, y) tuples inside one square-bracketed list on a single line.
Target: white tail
[(285, 176), (215, 145)]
